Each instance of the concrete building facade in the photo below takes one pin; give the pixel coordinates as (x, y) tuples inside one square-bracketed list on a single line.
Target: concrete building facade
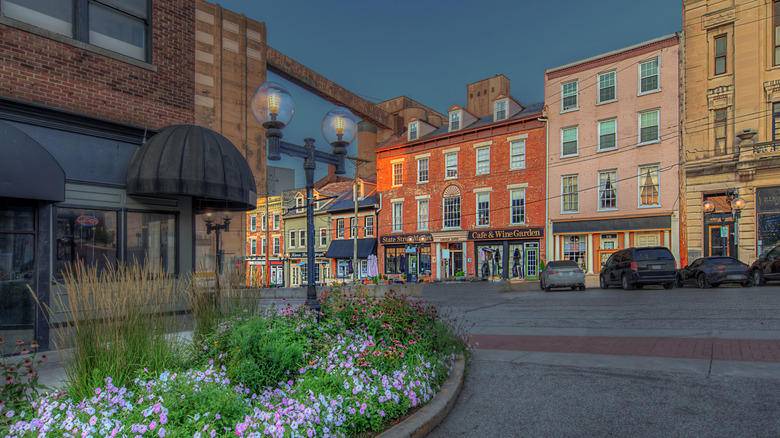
[(731, 127), (613, 153)]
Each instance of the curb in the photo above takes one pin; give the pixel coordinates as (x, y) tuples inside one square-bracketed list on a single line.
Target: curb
[(432, 414)]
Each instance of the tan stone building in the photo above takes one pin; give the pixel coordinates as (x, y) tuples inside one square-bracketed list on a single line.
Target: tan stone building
[(730, 112)]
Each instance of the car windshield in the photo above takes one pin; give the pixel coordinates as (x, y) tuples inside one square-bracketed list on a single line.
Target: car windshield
[(653, 254), (563, 264)]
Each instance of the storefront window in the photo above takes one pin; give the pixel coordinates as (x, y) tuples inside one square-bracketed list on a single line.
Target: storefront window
[(425, 260), (490, 258), (86, 235), (768, 232), (17, 271), (152, 236), (575, 248), (394, 257)]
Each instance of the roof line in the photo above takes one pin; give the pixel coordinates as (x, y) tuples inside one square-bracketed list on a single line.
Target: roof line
[(614, 52)]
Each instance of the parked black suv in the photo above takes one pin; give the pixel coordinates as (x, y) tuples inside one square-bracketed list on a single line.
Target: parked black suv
[(632, 267), (767, 267)]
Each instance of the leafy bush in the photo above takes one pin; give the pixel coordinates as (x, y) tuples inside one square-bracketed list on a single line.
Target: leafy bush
[(19, 386)]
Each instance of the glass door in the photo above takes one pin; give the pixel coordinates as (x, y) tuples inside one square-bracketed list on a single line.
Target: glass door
[(531, 263), (17, 272)]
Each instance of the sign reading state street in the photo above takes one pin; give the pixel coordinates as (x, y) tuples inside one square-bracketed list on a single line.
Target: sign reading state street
[(512, 233)]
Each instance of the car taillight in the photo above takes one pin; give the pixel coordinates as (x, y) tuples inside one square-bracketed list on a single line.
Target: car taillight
[(719, 268), (675, 264), (746, 267), (634, 267)]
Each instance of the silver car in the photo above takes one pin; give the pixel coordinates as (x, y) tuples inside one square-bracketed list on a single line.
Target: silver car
[(562, 273)]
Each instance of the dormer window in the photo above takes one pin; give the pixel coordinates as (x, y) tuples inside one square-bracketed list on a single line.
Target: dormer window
[(454, 120), (500, 110), (299, 202), (412, 131)]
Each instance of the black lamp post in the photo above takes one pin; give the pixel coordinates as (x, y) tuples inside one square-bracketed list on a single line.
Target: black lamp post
[(737, 204), (273, 107), (217, 229)]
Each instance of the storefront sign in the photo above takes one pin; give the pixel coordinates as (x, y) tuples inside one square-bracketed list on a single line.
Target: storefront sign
[(302, 255), (517, 233), (406, 238), (87, 221)]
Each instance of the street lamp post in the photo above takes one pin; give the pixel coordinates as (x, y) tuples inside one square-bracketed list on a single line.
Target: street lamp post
[(273, 107), (737, 204)]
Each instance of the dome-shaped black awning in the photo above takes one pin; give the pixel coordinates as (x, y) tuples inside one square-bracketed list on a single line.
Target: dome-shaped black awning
[(27, 169), (189, 160)]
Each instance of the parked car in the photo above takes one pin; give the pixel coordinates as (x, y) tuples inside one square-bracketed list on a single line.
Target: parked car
[(636, 267), (714, 271), (767, 267), (562, 273)]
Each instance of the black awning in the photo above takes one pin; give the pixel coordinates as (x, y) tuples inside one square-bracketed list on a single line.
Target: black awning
[(343, 249), (189, 160), (27, 169)]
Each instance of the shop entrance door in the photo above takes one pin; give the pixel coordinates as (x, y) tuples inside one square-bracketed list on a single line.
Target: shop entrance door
[(457, 261), (531, 263), (716, 239)]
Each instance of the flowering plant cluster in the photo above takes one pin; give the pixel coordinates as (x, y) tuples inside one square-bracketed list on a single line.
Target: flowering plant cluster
[(19, 385), (341, 376)]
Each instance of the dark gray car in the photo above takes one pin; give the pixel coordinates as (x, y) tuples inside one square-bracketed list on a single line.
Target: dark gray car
[(562, 273), (636, 267)]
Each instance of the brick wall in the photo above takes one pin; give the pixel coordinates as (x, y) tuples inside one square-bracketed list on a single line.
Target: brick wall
[(47, 72)]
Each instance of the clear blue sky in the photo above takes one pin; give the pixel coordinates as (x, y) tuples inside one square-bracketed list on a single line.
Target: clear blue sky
[(430, 50)]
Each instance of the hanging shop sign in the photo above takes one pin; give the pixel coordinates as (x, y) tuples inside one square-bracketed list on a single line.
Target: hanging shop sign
[(516, 233), (302, 255)]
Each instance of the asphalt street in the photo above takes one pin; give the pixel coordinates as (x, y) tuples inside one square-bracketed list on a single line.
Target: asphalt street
[(511, 392)]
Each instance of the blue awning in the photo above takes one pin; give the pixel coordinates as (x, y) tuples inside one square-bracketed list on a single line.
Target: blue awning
[(343, 249)]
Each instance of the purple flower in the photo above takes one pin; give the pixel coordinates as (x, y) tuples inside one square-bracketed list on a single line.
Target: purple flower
[(161, 433)]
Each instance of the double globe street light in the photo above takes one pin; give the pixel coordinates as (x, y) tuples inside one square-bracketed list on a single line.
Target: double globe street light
[(737, 205), (273, 107)]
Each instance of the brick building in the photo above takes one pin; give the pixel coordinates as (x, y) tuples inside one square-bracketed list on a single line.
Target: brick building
[(466, 198), (265, 242), (96, 113)]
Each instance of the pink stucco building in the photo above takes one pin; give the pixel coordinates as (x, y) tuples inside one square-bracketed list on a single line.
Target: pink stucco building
[(613, 153)]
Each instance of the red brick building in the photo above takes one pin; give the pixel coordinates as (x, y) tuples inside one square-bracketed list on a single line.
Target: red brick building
[(467, 198), (265, 240)]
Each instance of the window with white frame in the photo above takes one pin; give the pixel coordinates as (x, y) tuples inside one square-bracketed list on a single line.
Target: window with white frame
[(323, 236), (253, 223), (483, 209), (648, 126), (451, 165), (369, 225), (483, 160), (352, 227), (451, 207), (262, 246), (292, 239), (649, 187), (252, 246), (299, 203), (569, 139), (454, 121), (517, 154), (607, 134), (648, 76), (422, 170), (569, 96), (277, 221), (517, 206), (262, 222), (398, 212), (412, 131), (607, 87), (608, 190), (500, 110), (422, 214), (302, 237), (277, 246), (398, 173), (119, 26), (339, 228), (570, 193)]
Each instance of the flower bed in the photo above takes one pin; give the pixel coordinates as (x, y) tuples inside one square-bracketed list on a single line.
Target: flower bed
[(277, 373)]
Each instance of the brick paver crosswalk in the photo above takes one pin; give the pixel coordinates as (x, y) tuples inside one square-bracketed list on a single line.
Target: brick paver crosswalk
[(748, 350)]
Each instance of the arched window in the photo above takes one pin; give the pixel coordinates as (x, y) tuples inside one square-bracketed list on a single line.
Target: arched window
[(451, 207)]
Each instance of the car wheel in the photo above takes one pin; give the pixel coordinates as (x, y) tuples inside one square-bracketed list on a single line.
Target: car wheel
[(758, 278), (669, 285), (541, 284), (582, 286), (603, 282), (626, 284), (678, 282), (701, 280), (574, 287)]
